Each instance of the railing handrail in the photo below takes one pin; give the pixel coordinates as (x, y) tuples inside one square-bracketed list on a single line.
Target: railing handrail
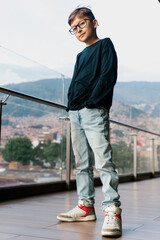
[(133, 127), (60, 106), (31, 98)]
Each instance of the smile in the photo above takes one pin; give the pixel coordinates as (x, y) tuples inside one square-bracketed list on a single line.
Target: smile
[(82, 35)]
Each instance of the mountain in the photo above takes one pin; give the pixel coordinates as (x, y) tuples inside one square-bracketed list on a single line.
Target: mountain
[(138, 92), (47, 89), (144, 97), (141, 95)]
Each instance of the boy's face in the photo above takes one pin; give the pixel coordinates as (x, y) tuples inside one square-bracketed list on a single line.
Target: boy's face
[(88, 33)]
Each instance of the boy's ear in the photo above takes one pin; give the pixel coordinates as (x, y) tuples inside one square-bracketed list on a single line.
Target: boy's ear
[(95, 23)]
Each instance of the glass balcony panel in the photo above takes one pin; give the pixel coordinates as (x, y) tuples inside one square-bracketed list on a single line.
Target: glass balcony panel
[(122, 146), (157, 154), (33, 144), (29, 77), (144, 153), (121, 142), (73, 165)]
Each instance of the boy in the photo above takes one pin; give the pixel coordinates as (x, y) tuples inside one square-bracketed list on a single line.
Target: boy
[(89, 101)]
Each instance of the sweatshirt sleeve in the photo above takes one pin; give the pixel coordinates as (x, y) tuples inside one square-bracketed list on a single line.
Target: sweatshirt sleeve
[(107, 78), (74, 74)]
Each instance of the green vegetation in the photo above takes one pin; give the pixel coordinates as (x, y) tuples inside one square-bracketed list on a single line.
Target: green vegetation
[(6, 122), (52, 153), (118, 133), (123, 157), (19, 150), (37, 126)]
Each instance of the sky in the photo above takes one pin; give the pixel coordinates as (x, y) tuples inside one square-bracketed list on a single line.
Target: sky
[(35, 41)]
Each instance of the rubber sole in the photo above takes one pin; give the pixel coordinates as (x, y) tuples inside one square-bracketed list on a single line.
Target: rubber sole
[(111, 233), (81, 219)]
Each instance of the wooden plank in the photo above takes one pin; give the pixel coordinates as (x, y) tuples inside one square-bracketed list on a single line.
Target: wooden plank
[(35, 217)]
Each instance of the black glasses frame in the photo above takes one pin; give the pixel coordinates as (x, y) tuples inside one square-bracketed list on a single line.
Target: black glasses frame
[(78, 25)]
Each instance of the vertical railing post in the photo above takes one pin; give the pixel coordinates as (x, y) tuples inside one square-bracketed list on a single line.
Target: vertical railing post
[(0, 119), (153, 156), (134, 155), (62, 88), (1, 104), (68, 151), (68, 155)]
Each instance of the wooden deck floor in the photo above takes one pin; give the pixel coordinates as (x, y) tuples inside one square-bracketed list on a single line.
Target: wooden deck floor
[(35, 218)]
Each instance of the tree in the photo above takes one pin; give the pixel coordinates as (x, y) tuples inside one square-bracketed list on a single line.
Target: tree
[(39, 150), (118, 133), (19, 150), (123, 157), (52, 153), (63, 145)]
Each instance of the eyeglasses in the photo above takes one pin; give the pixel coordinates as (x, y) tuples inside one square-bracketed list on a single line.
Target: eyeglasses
[(81, 25)]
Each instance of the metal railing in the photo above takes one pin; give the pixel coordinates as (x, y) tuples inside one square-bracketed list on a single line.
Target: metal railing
[(60, 106), (68, 147)]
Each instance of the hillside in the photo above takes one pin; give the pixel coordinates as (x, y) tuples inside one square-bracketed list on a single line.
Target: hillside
[(48, 89), (142, 96), (138, 92)]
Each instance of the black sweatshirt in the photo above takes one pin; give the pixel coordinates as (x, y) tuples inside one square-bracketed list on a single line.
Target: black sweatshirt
[(94, 77)]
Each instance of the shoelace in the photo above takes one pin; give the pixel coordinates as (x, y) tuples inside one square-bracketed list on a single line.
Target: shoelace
[(112, 217)]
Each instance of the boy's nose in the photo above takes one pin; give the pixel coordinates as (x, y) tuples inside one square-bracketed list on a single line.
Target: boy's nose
[(79, 29)]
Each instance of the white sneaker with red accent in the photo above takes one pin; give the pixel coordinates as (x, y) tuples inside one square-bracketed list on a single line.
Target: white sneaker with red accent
[(83, 212), (112, 226)]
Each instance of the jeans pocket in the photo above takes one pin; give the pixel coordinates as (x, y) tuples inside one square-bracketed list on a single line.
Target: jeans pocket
[(104, 112)]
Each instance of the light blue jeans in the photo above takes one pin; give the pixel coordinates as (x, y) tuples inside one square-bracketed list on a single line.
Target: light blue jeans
[(90, 130)]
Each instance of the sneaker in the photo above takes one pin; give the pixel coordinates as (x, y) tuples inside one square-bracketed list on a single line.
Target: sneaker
[(83, 212), (112, 225)]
